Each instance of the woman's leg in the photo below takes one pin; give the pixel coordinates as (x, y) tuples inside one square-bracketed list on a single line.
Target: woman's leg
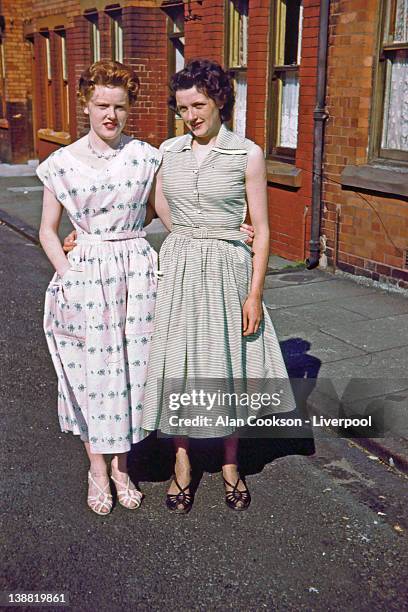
[(182, 467), (179, 498), (231, 474), (230, 462), (99, 499), (128, 495), (119, 465)]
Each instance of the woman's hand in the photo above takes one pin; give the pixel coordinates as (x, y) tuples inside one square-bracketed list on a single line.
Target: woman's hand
[(252, 315), (69, 242), (249, 231)]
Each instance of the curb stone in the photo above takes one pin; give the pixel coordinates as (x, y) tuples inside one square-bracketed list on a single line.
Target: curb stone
[(20, 226)]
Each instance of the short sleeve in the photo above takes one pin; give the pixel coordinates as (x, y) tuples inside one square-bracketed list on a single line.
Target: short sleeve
[(45, 174), (157, 155)]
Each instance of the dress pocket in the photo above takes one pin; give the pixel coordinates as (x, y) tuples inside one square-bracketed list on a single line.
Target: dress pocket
[(141, 302), (69, 296)]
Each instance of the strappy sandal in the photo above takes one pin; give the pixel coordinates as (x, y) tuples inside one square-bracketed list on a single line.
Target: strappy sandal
[(236, 499), (174, 500), (127, 497), (102, 500)]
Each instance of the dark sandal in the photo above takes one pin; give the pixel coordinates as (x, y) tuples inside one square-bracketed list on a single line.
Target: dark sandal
[(173, 500), (236, 499)]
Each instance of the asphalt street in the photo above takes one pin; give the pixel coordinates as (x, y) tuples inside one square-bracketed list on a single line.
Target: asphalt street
[(326, 529)]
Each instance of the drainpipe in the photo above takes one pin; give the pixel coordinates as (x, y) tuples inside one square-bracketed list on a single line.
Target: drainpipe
[(319, 117)]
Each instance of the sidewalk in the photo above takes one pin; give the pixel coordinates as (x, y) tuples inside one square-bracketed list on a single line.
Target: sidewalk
[(351, 342), (348, 340)]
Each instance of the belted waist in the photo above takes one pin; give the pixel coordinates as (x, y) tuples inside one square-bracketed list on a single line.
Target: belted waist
[(212, 232), (85, 238)]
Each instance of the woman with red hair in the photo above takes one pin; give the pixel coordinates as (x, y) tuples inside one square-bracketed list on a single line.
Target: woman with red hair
[(99, 306)]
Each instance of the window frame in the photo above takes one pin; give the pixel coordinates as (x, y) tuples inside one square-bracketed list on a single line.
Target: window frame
[(64, 81), (385, 49), (235, 69), (94, 36), (276, 72), (175, 39), (234, 66), (116, 35), (48, 79)]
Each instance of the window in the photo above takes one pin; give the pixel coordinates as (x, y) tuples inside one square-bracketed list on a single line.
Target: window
[(94, 37), (116, 36), (286, 33), (237, 58), (175, 34), (64, 80), (390, 137), (49, 109)]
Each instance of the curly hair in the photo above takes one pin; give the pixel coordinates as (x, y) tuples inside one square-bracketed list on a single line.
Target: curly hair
[(209, 78), (110, 74)]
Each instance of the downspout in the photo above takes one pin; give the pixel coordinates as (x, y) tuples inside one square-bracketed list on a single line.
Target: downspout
[(319, 117)]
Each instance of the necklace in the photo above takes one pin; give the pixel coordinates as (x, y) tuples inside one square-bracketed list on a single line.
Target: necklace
[(100, 155)]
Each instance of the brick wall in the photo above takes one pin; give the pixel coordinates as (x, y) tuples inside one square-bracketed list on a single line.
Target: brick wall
[(289, 209), (80, 54), (194, 32), (145, 38), (373, 229), (212, 43), (17, 140), (46, 8)]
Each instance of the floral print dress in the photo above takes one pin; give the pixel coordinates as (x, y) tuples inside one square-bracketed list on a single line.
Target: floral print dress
[(99, 317)]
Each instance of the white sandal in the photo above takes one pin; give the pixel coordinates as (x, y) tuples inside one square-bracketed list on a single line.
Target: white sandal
[(127, 497), (102, 500)]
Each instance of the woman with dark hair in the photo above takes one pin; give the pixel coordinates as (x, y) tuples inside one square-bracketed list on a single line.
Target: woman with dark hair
[(212, 329)]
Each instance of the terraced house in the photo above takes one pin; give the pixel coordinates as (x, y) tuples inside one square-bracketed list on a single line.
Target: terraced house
[(321, 86)]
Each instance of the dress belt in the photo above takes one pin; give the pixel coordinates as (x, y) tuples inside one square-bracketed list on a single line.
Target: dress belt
[(85, 238), (202, 232)]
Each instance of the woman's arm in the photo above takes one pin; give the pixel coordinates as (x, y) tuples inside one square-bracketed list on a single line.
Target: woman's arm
[(50, 220), (158, 202), (255, 181), (150, 214)]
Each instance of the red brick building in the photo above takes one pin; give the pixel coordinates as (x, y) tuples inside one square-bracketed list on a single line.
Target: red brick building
[(16, 118), (365, 194), (271, 46)]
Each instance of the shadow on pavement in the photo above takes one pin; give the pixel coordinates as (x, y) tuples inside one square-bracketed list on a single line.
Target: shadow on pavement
[(152, 459)]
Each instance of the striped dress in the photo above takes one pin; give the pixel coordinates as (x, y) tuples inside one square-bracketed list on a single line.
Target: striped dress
[(205, 276)]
